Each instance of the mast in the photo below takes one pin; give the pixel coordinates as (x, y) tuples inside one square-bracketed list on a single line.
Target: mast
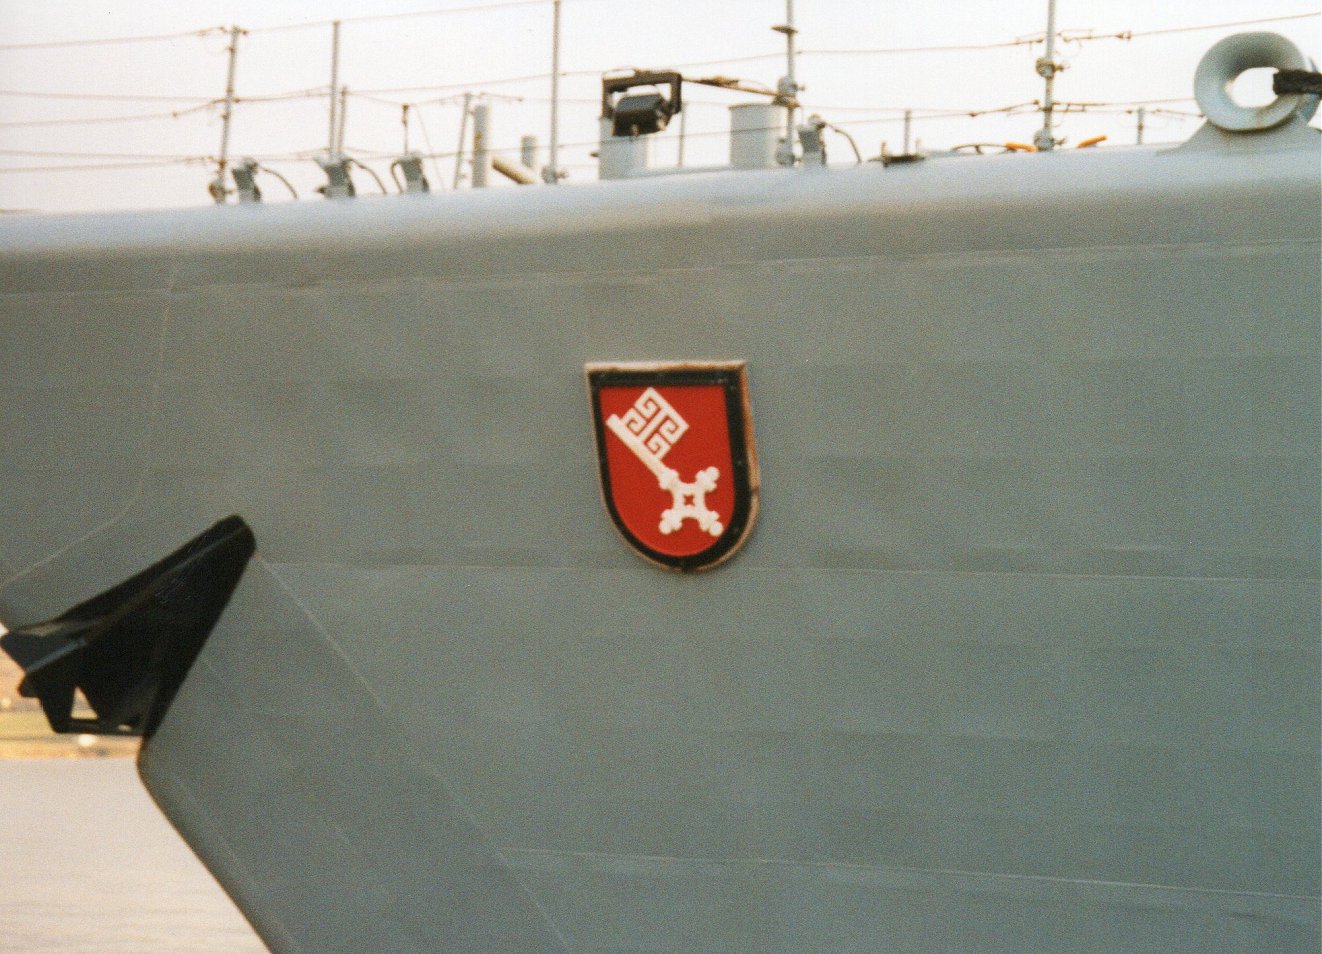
[(790, 52), (463, 138), (788, 88), (339, 132), (217, 187), (332, 137), (551, 174), (481, 143), (1047, 68)]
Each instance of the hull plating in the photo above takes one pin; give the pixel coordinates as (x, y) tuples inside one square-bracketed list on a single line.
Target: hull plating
[(1022, 654)]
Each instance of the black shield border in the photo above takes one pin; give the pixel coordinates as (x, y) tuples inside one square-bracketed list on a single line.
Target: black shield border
[(732, 376)]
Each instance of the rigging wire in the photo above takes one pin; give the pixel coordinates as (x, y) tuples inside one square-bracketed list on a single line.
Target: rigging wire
[(536, 77), (313, 92), (134, 160), (199, 102), (42, 154), (1136, 102), (1020, 110), (426, 138), (527, 78), (106, 41), (1065, 35), (102, 166), (1092, 109), (917, 111), (952, 48), (1132, 34), (1006, 44), (1017, 108), (934, 112), (300, 155), (213, 30), (101, 120), (379, 17), (457, 100), (144, 161), (109, 97), (752, 58)]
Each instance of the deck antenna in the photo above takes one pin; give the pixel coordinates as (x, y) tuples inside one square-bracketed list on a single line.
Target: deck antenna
[(551, 174), (788, 88), (217, 185), (463, 133), (339, 185), (334, 89), (683, 133), (339, 133), (481, 143), (1047, 68)]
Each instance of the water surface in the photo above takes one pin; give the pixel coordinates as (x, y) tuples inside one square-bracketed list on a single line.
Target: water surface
[(89, 864)]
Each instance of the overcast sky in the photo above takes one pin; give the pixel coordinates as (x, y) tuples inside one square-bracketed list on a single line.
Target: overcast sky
[(432, 60)]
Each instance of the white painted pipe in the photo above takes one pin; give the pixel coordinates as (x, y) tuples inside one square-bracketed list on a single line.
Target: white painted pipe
[(481, 144), (334, 88)]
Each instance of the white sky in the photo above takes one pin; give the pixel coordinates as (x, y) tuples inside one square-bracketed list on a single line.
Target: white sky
[(457, 51)]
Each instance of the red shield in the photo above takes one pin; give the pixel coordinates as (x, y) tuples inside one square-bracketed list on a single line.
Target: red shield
[(678, 462)]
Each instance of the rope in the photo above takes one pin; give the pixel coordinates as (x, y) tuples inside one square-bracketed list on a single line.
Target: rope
[(1297, 81)]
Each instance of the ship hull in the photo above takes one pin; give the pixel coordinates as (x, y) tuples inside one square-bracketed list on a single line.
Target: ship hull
[(1022, 654)]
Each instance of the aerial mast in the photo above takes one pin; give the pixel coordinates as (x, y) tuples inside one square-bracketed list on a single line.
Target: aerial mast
[(217, 185), (339, 133), (333, 135), (1047, 68), (338, 183), (788, 88), (551, 174)]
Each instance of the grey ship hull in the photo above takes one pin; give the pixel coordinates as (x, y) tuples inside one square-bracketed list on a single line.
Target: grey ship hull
[(1022, 655)]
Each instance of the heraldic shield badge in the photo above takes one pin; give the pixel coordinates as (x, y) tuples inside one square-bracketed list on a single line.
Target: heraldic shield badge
[(678, 461)]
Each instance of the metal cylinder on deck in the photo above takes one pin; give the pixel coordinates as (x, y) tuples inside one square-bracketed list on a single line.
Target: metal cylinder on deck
[(481, 144), (528, 151), (755, 133), (620, 157)]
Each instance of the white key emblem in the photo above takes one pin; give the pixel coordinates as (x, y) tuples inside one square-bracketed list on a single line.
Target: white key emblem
[(649, 429)]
